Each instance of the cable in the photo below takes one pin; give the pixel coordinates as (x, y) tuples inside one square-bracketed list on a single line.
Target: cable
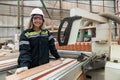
[(67, 31)]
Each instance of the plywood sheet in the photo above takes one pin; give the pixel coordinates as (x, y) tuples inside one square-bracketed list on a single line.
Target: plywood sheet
[(33, 71)]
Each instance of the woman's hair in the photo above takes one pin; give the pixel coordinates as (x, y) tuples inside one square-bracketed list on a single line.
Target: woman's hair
[(31, 25)]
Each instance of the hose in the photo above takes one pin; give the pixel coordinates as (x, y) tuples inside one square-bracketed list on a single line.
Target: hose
[(111, 16)]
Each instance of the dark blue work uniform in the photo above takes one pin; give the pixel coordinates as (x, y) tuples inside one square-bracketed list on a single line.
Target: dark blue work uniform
[(34, 48)]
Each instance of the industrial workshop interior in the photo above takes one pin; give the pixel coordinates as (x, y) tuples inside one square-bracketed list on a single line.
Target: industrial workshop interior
[(59, 40)]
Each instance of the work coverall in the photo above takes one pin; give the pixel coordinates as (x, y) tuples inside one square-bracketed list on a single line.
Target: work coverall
[(34, 48)]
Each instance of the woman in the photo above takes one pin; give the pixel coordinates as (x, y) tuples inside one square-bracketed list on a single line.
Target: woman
[(35, 43)]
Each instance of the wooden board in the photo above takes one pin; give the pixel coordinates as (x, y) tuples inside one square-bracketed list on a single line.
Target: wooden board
[(33, 71), (8, 55), (87, 27), (7, 63), (54, 71)]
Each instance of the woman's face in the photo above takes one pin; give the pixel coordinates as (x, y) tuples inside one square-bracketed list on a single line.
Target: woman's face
[(37, 20)]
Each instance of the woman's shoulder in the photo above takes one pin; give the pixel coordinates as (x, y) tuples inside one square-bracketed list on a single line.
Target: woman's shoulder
[(24, 32)]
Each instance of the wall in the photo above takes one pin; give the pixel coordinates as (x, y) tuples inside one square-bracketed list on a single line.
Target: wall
[(9, 12)]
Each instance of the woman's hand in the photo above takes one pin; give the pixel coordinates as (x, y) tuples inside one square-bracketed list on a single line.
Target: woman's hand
[(19, 70)]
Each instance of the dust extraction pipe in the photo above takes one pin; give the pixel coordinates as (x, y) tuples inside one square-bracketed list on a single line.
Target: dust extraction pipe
[(112, 17)]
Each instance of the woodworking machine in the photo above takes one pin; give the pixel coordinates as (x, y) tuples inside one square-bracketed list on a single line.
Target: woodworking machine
[(102, 48), (76, 63)]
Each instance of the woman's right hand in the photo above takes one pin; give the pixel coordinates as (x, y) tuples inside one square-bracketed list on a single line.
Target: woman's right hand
[(19, 70)]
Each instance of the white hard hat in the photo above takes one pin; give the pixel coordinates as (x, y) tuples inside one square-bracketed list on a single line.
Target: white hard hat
[(37, 11)]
